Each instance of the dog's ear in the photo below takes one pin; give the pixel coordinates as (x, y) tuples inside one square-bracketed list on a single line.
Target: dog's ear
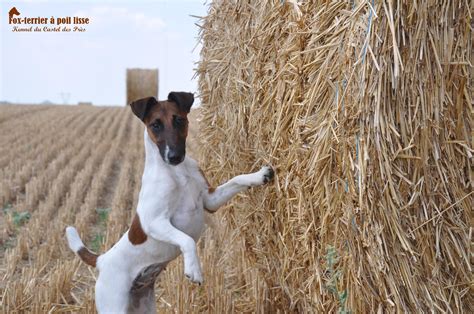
[(142, 106), (182, 99)]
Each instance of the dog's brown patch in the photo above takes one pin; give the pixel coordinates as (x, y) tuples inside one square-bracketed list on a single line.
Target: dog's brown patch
[(209, 188), (136, 235), (165, 111), (88, 257)]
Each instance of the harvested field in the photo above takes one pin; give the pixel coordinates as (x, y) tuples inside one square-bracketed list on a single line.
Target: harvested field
[(82, 166)]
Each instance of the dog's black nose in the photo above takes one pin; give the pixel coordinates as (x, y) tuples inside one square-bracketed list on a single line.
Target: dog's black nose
[(175, 158)]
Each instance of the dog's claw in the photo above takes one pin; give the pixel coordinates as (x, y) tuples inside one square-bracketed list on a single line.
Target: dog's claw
[(197, 281), (194, 278)]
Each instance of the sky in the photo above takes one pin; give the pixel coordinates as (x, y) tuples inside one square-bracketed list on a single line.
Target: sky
[(90, 66)]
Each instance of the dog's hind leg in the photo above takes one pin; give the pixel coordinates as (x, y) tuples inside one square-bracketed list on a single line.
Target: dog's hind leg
[(142, 301), (112, 292), (142, 294)]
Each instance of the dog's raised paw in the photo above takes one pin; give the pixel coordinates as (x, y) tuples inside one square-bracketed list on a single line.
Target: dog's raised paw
[(268, 174)]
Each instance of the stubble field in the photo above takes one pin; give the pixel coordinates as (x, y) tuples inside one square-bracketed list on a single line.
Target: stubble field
[(82, 166)]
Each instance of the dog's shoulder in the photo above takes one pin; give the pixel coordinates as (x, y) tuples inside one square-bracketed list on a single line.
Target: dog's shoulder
[(194, 171), (191, 163)]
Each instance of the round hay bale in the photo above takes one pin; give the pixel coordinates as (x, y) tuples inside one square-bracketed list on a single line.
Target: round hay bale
[(141, 83), (363, 109)]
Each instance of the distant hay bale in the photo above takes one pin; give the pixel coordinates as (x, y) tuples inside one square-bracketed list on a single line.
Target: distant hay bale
[(141, 83), (364, 110)]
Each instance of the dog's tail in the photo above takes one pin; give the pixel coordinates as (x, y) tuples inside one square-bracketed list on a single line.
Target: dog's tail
[(75, 243)]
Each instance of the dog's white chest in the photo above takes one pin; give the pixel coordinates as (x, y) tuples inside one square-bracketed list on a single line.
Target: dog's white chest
[(188, 215)]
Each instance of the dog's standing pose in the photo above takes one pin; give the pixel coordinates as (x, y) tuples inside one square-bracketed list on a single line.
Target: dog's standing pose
[(169, 217)]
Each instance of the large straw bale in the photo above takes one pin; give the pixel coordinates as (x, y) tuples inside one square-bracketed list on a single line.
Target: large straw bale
[(364, 110), (141, 83)]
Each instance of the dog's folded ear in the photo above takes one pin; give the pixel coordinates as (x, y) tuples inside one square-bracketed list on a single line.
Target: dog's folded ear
[(142, 106), (182, 99)]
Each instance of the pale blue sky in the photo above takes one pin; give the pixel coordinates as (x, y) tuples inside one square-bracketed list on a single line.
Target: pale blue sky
[(90, 66)]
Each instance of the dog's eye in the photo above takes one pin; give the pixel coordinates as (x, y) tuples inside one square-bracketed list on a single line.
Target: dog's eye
[(178, 121), (157, 126)]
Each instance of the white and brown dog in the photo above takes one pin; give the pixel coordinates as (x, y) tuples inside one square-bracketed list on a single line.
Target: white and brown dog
[(170, 212)]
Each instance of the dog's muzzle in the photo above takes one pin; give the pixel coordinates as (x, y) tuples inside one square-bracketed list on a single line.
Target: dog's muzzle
[(174, 158)]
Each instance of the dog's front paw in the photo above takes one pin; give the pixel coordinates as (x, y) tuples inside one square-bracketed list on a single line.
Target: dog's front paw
[(258, 178), (193, 273), (268, 174)]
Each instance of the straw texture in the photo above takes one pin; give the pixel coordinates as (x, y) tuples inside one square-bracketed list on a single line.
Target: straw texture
[(141, 83), (364, 108)]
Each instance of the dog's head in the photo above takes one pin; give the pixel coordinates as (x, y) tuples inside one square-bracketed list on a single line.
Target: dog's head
[(167, 123)]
